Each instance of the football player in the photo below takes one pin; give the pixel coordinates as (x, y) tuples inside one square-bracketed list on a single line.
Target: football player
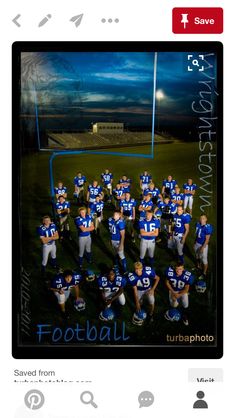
[(128, 211), (118, 194), (145, 179), (189, 192), (144, 281), (203, 234), (168, 186), (94, 190), (63, 211), (96, 211), (117, 232), (107, 180), (112, 286), (149, 230), (155, 193), (178, 232), (79, 183), (48, 235), (168, 209), (178, 281), (85, 226), (62, 285), (176, 197), (145, 205), (60, 190), (125, 183)]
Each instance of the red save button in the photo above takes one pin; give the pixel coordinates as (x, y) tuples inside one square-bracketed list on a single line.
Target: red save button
[(197, 20)]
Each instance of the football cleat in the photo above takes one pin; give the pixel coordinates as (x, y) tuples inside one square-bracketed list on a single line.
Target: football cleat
[(80, 305), (200, 286), (139, 318), (106, 315), (173, 315), (90, 276)]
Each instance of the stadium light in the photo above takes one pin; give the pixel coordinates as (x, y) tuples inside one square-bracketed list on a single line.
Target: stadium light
[(159, 96)]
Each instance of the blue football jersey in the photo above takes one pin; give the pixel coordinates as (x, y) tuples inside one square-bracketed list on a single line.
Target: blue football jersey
[(127, 188), (60, 190), (118, 192), (108, 286), (59, 282), (143, 282), (62, 206), (47, 232), (97, 207), (178, 283), (94, 191), (180, 221), (169, 184), (189, 188), (86, 222), (79, 181), (154, 192), (145, 205), (106, 178), (177, 197), (146, 179), (202, 231), (167, 208), (128, 206), (149, 226), (115, 227)]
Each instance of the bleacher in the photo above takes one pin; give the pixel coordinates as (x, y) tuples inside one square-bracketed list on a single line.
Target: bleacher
[(89, 140)]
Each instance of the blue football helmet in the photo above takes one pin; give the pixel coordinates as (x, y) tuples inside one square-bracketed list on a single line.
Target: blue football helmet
[(200, 286), (80, 305), (139, 317), (106, 315), (173, 315), (90, 276)]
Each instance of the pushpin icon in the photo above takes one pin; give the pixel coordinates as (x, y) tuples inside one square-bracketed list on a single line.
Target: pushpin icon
[(184, 19)]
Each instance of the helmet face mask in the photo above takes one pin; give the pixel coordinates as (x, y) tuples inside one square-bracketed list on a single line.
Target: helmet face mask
[(200, 286), (80, 305), (173, 315), (106, 315)]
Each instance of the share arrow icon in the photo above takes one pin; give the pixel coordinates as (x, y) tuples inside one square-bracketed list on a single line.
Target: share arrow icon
[(77, 19), (15, 20)]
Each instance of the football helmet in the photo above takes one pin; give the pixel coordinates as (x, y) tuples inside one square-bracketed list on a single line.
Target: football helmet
[(139, 317), (200, 286), (106, 315), (90, 276), (80, 305), (173, 315)]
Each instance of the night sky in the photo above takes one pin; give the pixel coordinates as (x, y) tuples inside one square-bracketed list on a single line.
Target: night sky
[(73, 90)]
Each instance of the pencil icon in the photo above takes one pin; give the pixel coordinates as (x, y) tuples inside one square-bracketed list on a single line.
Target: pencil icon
[(44, 20)]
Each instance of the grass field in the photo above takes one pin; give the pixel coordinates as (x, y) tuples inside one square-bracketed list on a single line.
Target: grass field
[(180, 160)]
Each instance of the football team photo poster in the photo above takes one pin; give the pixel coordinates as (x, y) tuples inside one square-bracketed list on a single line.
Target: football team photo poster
[(117, 152)]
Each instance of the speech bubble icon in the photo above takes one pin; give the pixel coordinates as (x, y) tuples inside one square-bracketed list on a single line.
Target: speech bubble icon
[(146, 399)]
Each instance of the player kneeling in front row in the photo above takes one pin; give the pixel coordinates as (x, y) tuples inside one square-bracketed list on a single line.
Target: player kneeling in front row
[(111, 286), (178, 281), (62, 285), (144, 281), (203, 234)]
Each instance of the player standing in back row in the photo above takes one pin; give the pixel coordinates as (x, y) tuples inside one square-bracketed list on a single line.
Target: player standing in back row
[(48, 235), (79, 184), (107, 180), (189, 192)]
